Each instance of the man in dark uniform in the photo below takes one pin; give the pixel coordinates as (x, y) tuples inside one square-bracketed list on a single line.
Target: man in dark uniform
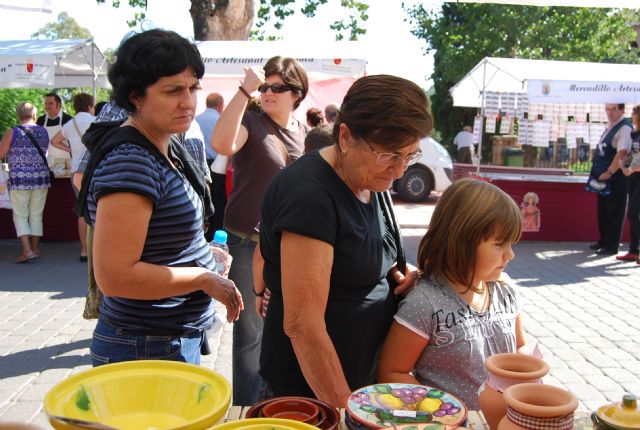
[(613, 147)]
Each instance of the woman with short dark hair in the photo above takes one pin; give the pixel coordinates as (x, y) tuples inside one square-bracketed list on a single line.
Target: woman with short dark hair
[(330, 246), (151, 259), (262, 144)]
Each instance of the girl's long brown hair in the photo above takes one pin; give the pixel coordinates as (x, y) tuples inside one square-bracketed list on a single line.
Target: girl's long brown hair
[(469, 212)]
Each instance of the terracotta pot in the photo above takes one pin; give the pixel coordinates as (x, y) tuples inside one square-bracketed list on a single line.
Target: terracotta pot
[(292, 409), (538, 407), (505, 370)]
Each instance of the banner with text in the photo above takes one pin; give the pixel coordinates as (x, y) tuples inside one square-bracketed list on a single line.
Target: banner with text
[(27, 72), (551, 91), (330, 67)]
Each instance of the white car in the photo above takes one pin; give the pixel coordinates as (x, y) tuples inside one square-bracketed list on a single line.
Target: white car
[(432, 172)]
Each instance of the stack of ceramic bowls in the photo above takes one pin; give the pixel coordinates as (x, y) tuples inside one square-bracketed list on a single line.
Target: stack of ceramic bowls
[(394, 405), (303, 409)]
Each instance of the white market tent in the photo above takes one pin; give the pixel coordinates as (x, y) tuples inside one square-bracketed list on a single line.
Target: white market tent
[(331, 67), (548, 81), (63, 63)]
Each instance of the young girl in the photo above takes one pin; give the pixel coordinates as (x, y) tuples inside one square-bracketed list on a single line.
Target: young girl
[(459, 313)]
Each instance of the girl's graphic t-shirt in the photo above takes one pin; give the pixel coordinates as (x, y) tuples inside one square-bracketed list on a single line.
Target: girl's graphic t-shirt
[(460, 338)]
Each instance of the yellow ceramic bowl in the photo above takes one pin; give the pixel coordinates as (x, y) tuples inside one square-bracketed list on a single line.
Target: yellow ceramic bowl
[(264, 424), (141, 395)]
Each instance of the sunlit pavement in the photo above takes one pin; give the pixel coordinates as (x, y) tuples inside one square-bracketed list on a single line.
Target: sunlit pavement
[(581, 308)]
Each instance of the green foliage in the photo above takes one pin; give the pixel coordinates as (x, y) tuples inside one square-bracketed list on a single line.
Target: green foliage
[(64, 28), (138, 15), (461, 34), (281, 9), (9, 99)]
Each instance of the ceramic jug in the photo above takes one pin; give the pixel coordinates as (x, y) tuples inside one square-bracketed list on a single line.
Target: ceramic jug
[(538, 407), (618, 416), (504, 371)]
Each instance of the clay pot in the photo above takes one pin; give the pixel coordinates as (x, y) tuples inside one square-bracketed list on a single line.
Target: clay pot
[(505, 370), (538, 406), (292, 409)]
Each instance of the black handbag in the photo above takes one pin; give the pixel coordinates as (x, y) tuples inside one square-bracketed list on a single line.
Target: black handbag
[(33, 140)]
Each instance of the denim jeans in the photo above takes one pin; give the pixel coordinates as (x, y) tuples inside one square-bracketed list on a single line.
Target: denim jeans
[(247, 331), (111, 344)]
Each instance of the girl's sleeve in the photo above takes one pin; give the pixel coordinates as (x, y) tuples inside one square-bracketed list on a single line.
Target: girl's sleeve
[(414, 312)]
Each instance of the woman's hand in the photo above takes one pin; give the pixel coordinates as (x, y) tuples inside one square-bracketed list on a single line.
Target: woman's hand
[(253, 77), (262, 303), (225, 291), (405, 281)]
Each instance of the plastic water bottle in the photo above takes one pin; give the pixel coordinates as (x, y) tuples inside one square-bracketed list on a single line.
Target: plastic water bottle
[(220, 241)]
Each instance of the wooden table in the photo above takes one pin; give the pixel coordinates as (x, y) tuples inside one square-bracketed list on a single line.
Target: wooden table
[(475, 420)]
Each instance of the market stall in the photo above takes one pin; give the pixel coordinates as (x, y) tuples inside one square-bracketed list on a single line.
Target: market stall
[(64, 63), (552, 112)]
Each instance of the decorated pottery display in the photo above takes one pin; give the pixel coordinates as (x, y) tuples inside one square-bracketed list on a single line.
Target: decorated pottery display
[(538, 407), (383, 405), (504, 371), (618, 416), (328, 418), (143, 394)]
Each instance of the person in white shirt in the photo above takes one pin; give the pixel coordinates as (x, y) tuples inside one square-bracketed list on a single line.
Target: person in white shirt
[(72, 133), (464, 143), (53, 120)]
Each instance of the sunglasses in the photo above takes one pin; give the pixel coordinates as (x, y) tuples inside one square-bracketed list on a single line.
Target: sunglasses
[(275, 88)]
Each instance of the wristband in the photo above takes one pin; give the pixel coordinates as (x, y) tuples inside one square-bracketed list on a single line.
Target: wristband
[(257, 294), (243, 91)]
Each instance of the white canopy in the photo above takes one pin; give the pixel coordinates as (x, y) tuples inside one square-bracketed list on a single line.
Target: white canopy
[(63, 63), (549, 81), (331, 67)]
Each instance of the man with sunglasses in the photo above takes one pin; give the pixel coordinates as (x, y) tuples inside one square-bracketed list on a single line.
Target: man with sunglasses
[(262, 144)]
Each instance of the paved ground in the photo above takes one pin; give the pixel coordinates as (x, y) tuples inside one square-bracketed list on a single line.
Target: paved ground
[(582, 309)]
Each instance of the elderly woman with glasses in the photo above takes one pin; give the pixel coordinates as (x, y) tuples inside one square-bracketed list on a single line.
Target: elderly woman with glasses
[(262, 144), (331, 249)]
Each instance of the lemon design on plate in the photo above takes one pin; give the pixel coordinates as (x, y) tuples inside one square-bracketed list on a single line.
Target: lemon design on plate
[(389, 401), (429, 405)]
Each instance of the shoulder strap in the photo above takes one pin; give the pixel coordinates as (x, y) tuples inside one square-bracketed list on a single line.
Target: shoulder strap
[(387, 210), (33, 140), (608, 137), (276, 135)]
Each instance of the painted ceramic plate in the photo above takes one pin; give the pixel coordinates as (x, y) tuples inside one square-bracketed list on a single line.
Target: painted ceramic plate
[(264, 424), (429, 426), (136, 395), (381, 405)]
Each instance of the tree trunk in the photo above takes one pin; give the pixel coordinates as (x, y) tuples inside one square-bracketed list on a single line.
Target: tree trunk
[(222, 19)]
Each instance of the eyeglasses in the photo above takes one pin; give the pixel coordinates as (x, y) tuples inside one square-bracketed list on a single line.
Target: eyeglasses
[(275, 88), (392, 159), (331, 114)]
